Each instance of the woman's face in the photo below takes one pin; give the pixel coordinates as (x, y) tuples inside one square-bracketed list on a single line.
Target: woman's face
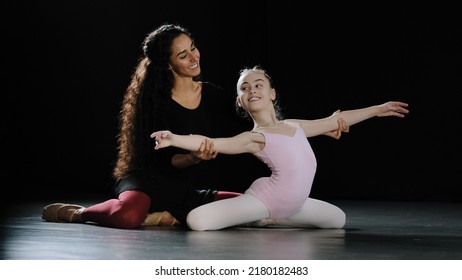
[(185, 58)]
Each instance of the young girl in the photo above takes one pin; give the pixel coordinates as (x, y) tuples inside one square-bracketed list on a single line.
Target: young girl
[(281, 198)]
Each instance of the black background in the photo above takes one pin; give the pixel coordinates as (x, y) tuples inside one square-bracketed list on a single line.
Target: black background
[(66, 65)]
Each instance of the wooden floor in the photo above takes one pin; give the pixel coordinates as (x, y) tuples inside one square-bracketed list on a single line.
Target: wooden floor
[(375, 230)]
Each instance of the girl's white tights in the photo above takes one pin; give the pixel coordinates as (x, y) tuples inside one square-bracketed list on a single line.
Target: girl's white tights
[(246, 208)]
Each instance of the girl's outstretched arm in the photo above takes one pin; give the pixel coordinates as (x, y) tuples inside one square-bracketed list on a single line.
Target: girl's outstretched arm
[(246, 142), (321, 126)]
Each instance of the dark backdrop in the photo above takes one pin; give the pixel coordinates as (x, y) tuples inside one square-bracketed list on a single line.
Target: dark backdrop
[(67, 63)]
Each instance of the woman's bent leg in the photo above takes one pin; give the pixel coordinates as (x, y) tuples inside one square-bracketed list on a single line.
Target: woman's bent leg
[(225, 195), (127, 211)]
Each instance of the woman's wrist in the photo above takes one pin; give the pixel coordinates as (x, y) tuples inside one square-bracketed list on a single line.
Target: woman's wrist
[(193, 158)]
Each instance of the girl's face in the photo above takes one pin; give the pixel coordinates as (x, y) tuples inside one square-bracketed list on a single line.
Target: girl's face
[(185, 58), (254, 91)]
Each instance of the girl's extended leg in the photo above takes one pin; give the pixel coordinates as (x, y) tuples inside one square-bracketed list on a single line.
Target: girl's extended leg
[(316, 213), (226, 213)]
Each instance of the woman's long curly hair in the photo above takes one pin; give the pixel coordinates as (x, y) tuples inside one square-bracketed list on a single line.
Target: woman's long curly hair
[(151, 85)]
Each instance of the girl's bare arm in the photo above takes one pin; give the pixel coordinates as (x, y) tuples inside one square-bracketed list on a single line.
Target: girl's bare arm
[(321, 126), (246, 142)]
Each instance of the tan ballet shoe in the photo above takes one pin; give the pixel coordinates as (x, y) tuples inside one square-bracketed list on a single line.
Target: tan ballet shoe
[(67, 213), (160, 219)]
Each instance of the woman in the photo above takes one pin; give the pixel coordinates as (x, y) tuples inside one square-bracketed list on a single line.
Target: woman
[(282, 198)]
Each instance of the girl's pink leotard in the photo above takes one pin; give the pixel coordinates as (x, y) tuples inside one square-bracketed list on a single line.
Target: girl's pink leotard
[(293, 165)]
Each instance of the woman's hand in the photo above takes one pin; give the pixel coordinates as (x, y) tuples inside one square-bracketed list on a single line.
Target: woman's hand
[(343, 126), (206, 151)]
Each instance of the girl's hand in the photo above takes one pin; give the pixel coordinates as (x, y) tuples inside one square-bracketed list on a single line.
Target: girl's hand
[(162, 139), (393, 108)]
